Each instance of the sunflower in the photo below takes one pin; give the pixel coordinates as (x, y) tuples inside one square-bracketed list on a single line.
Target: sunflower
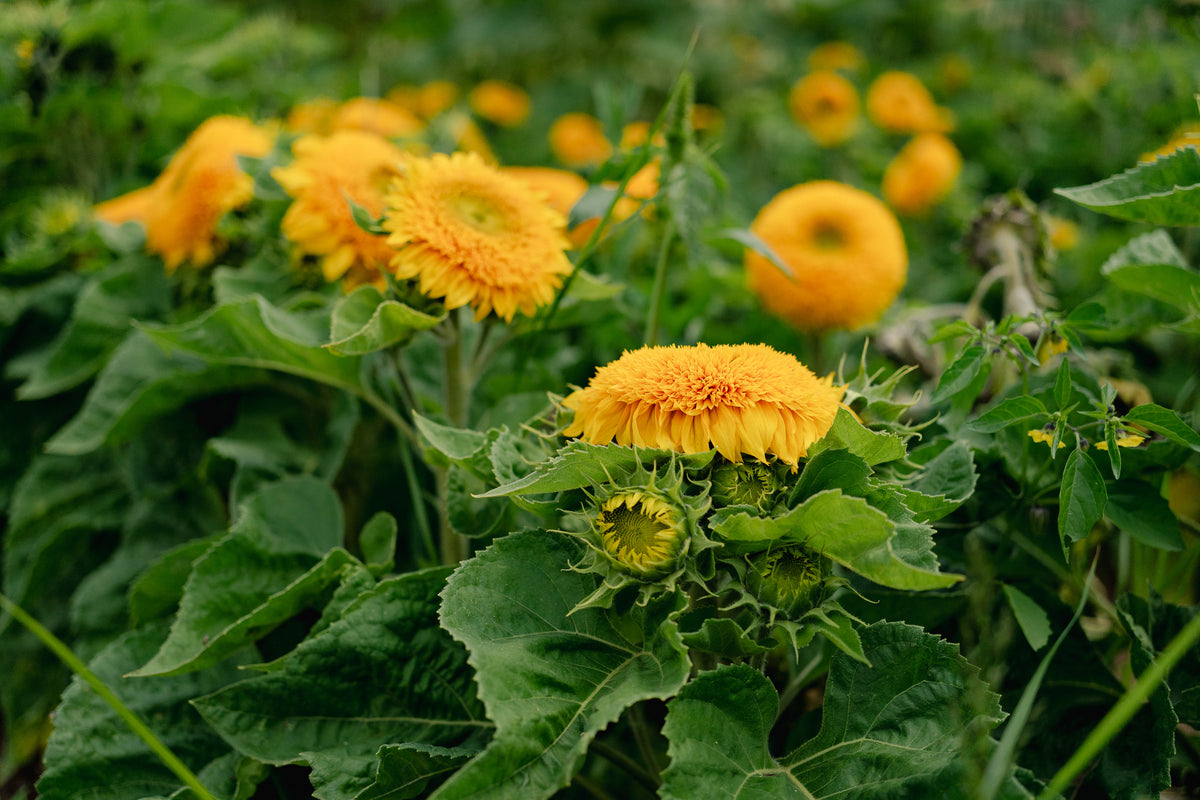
[(835, 55), (312, 116), (1187, 136), (129, 207), (475, 236), (499, 102), (383, 117), (561, 190), (921, 174), (354, 165), (425, 101), (899, 103), (741, 399), (201, 184), (826, 104), (641, 532), (846, 251), (578, 140)]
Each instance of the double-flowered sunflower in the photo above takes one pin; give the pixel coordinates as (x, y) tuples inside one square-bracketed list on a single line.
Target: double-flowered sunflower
[(746, 399), (475, 236)]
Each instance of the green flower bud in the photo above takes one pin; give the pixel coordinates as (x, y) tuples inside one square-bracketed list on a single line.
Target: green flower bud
[(641, 533), (743, 484), (790, 579)]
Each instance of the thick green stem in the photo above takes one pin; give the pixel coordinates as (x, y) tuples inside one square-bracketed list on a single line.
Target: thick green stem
[(164, 754), (1120, 714), (660, 285), (453, 544)]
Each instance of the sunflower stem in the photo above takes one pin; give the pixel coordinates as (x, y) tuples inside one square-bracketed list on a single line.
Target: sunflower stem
[(134, 723), (660, 285), (816, 352), (453, 544), (645, 744)]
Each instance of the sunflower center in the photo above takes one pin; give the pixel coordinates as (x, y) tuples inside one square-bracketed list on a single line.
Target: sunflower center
[(480, 213), (632, 530), (828, 235)]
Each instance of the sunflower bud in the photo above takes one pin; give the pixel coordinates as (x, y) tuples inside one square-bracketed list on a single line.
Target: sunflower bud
[(790, 579), (641, 533), (749, 484)]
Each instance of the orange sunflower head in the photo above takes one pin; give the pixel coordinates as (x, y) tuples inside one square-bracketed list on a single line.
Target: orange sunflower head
[(349, 164), (846, 251), (383, 117), (899, 103), (835, 55), (499, 102), (746, 399), (475, 236), (201, 184), (826, 104), (129, 207), (312, 116), (578, 140), (921, 174)]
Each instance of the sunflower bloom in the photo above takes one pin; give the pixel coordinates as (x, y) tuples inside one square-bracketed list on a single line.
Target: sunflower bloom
[(349, 164), (201, 184), (826, 104), (425, 101), (835, 55), (388, 119), (844, 246), (475, 236), (129, 207), (640, 532), (899, 103), (741, 399), (499, 102), (562, 191), (1187, 136), (921, 174), (578, 140), (312, 116)]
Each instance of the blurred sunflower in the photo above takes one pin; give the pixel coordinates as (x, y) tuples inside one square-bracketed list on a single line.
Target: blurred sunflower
[(312, 116), (499, 102), (921, 174), (826, 104), (201, 184), (578, 140), (383, 117), (835, 55), (746, 399), (426, 101), (844, 246), (1187, 136), (899, 103), (326, 171), (475, 236), (561, 190)]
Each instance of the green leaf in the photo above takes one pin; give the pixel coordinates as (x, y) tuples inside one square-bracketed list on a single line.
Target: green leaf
[(92, 755), (1081, 499), (845, 529), (157, 591), (588, 287), (723, 636), (1164, 421), (259, 575), (550, 681), (1153, 624), (397, 771), (1020, 408), (1031, 618), (1141, 511), (457, 444), (363, 322), (961, 373), (378, 542), (847, 433), (139, 384), (104, 311), (751, 241), (832, 469), (363, 218), (1165, 191), (1062, 385), (1152, 265), (1114, 449), (384, 673), (885, 730), (946, 482)]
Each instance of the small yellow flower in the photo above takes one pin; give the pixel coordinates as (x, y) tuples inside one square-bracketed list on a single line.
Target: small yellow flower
[(740, 399), (25, 50), (845, 247), (475, 236), (1052, 344), (641, 532), (899, 103), (1124, 439), (578, 140), (826, 104), (1063, 233), (835, 55), (1039, 435), (921, 174), (499, 102)]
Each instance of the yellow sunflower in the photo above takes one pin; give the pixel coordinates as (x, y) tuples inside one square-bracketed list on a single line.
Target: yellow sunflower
[(562, 191), (349, 164), (921, 174), (499, 102), (899, 103), (1187, 136), (578, 140), (201, 184), (826, 104), (312, 116), (475, 236), (743, 399), (641, 532), (383, 117), (425, 101), (835, 55), (129, 207), (844, 246)]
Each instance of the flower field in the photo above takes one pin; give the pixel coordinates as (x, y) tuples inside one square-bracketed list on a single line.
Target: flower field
[(599, 400)]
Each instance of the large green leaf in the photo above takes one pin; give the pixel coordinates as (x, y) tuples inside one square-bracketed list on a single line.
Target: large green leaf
[(901, 727), (1164, 421), (103, 316), (962, 373), (874, 447), (1021, 408), (396, 772), (280, 554), (1081, 499), (1141, 511), (843, 528), (1165, 191), (1152, 265), (140, 383), (363, 322), (550, 681), (384, 673), (946, 482), (92, 754)]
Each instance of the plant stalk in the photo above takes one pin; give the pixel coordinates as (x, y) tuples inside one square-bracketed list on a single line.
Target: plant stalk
[(453, 544), (659, 290)]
